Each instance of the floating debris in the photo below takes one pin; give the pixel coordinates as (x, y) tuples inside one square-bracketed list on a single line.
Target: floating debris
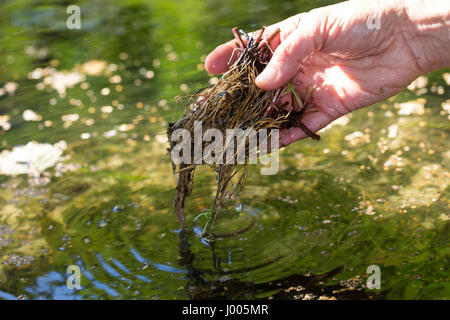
[(411, 107), (110, 133), (106, 109), (30, 115), (161, 138), (445, 108), (115, 79), (388, 114), (18, 261), (70, 117), (11, 87), (85, 135), (392, 131), (39, 53), (32, 158), (394, 161), (61, 168), (446, 77), (4, 123), (58, 80), (93, 67), (426, 187), (357, 138), (61, 80), (102, 223), (419, 83)]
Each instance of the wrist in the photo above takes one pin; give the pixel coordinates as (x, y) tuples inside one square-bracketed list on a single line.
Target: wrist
[(427, 25)]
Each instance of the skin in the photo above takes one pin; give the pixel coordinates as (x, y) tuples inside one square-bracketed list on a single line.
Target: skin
[(347, 60)]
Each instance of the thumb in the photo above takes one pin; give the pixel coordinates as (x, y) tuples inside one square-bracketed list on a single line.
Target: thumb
[(287, 57)]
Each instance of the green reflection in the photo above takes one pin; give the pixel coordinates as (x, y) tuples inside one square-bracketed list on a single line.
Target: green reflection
[(373, 191)]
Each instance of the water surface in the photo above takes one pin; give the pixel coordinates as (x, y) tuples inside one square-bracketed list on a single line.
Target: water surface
[(373, 191)]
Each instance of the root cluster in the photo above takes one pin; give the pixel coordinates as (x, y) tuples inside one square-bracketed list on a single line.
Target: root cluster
[(234, 102)]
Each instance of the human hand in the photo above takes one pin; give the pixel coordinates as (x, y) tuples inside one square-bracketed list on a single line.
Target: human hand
[(339, 52)]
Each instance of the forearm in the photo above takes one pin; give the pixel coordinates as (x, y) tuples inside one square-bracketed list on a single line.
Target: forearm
[(427, 25)]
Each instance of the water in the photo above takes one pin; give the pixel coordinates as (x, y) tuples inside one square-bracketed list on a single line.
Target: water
[(373, 191)]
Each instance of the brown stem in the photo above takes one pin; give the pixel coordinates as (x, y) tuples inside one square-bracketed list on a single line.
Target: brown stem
[(308, 132), (260, 35), (238, 37), (269, 38)]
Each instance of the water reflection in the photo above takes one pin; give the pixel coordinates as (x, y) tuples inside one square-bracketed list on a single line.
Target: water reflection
[(373, 191), (224, 286), (51, 286)]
